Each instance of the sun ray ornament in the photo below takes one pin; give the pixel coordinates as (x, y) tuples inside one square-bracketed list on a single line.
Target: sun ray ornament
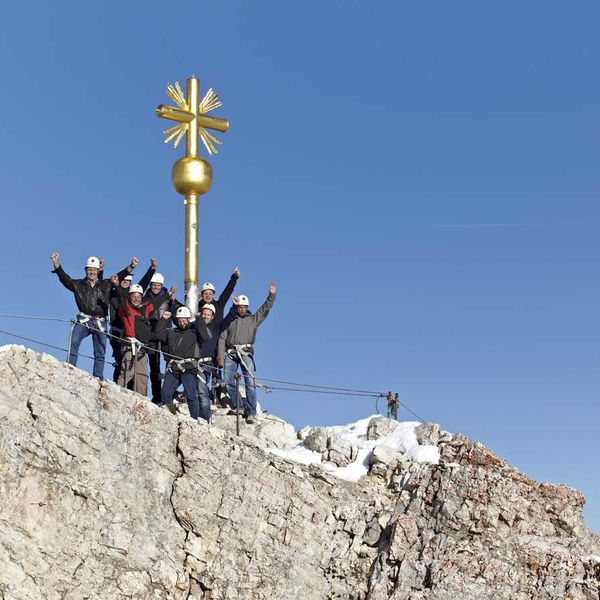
[(192, 175)]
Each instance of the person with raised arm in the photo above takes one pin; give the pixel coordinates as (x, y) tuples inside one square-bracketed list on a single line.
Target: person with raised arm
[(92, 296), (236, 349), (134, 312), (181, 347), (155, 292), (117, 295), (207, 295)]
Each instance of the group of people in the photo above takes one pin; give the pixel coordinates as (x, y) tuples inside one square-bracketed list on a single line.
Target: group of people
[(145, 320)]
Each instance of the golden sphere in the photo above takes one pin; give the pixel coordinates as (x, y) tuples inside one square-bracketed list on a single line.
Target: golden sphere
[(191, 175)]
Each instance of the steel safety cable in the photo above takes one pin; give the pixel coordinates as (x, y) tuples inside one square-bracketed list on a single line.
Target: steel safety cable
[(34, 318), (316, 389), (22, 337)]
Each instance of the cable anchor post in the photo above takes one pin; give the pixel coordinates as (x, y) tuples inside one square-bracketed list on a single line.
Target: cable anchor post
[(238, 377), (70, 340)]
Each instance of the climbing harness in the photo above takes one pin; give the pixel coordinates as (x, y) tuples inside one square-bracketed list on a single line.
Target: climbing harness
[(92, 323), (240, 352), (207, 361), (179, 366)]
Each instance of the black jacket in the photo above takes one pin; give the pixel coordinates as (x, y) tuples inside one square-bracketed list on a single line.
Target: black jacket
[(91, 300), (177, 343), (209, 334), (223, 298), (168, 303)]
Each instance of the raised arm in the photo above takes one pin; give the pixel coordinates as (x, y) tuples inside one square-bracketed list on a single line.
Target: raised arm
[(226, 293), (261, 314), (145, 280), (128, 270), (119, 292), (229, 318), (62, 276)]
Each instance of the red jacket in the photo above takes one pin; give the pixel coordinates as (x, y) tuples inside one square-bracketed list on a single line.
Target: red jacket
[(136, 319)]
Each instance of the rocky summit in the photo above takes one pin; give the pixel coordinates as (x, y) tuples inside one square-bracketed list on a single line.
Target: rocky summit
[(104, 495)]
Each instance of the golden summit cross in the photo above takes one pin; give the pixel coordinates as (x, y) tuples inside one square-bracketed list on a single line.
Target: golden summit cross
[(191, 175)]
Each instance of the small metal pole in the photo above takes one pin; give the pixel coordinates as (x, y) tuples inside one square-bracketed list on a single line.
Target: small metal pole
[(70, 340), (126, 376), (238, 376), (134, 363)]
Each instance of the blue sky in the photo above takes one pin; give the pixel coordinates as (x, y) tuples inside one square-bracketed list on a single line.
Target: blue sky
[(421, 181)]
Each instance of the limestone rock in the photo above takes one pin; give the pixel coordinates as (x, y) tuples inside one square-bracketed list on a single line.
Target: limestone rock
[(384, 455), (380, 427), (267, 431), (340, 451), (428, 433), (316, 439), (105, 496)]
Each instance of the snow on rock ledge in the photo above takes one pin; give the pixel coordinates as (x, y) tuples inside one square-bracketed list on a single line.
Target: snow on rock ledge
[(345, 451)]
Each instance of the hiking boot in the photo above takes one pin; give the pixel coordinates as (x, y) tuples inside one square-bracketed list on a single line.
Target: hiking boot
[(232, 411), (251, 419)]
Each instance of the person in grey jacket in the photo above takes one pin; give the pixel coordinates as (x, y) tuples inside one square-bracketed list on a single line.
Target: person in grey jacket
[(235, 349)]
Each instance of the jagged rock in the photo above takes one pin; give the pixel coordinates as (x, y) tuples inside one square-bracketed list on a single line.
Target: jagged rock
[(267, 431), (340, 451), (104, 495), (428, 433), (383, 454), (316, 439), (380, 427)]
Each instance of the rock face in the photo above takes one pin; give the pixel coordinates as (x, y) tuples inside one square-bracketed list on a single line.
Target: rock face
[(103, 495)]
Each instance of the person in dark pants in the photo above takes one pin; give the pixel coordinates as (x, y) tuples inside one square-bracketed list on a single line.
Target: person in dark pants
[(116, 325), (154, 292), (207, 295), (92, 296), (181, 346), (135, 313)]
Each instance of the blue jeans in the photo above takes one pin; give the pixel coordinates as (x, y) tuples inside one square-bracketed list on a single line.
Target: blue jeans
[(190, 385), (80, 332), (204, 393), (229, 370)]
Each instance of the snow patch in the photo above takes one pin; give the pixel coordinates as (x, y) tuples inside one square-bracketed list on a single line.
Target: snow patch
[(300, 454), (593, 558), (10, 347), (403, 439)]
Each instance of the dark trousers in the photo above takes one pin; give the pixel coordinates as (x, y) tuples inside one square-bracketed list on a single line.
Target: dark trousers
[(170, 385), (155, 377), (117, 351)]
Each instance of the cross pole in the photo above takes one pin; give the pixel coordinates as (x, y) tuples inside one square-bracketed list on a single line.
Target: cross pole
[(191, 175)]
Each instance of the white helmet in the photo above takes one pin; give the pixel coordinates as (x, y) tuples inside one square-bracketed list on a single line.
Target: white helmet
[(128, 278), (183, 312), (210, 307), (208, 286), (136, 288), (157, 278), (92, 262), (243, 300)]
